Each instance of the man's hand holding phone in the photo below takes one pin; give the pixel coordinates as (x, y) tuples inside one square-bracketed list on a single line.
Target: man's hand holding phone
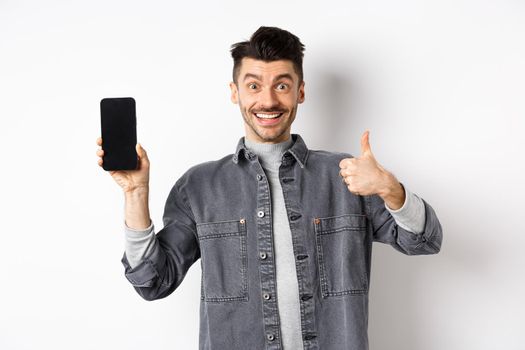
[(129, 180), (135, 184), (129, 168)]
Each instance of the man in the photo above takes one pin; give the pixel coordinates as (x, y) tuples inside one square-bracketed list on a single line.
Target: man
[(284, 233)]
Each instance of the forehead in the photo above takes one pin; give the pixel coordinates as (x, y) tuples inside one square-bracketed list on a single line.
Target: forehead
[(267, 70)]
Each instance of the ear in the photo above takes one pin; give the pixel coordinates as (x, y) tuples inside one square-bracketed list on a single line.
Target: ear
[(234, 93), (300, 97)]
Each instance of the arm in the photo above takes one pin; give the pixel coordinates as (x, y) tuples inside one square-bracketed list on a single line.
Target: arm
[(411, 215), (158, 262), (139, 241), (387, 230), (174, 250), (139, 244), (383, 193)]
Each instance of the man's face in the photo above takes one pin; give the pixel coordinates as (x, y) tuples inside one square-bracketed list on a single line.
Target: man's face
[(268, 94)]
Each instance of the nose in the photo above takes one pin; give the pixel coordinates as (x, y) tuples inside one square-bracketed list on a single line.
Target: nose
[(268, 99)]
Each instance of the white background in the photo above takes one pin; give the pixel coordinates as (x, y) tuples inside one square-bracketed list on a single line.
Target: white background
[(440, 84)]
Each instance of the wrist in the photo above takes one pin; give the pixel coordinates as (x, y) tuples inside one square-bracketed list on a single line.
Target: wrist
[(387, 184), (392, 192), (137, 198), (136, 191), (136, 209)]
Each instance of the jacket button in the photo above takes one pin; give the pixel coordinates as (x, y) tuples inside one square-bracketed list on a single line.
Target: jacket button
[(259, 177), (270, 337), (262, 255), (242, 221), (295, 217), (317, 221), (266, 296), (306, 297), (260, 214)]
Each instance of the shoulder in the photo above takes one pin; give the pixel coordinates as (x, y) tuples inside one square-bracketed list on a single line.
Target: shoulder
[(324, 156), (206, 170)]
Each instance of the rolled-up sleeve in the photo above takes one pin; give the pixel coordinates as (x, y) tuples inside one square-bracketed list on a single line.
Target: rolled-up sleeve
[(176, 248), (411, 216), (387, 230), (138, 244)]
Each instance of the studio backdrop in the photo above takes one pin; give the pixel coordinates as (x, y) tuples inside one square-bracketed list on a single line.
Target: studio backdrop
[(439, 84)]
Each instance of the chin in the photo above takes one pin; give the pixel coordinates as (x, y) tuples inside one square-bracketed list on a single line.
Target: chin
[(273, 136)]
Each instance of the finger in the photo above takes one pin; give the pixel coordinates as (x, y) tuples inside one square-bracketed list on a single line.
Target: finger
[(345, 172), (365, 143), (100, 161), (100, 152), (141, 152), (347, 162), (99, 141), (352, 189)]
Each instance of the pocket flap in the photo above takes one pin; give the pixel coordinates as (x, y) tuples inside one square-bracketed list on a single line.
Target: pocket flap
[(219, 229), (341, 222)]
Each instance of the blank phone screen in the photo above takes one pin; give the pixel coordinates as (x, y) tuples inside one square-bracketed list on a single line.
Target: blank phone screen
[(119, 133)]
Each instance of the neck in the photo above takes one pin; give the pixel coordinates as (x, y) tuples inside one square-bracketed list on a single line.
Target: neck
[(270, 154)]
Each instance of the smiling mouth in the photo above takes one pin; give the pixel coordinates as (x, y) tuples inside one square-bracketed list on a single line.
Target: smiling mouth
[(268, 115)]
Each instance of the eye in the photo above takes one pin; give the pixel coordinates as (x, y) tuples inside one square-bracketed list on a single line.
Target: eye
[(252, 86), (282, 86)]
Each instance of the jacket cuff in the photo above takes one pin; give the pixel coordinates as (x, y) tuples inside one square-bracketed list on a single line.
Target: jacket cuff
[(146, 273), (427, 242)]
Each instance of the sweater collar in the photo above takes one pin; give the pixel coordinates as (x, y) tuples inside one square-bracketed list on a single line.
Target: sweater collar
[(298, 150)]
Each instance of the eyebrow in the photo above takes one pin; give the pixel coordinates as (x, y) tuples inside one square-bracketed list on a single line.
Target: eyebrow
[(258, 77)]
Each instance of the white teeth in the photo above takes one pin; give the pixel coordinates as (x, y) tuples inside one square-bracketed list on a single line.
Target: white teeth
[(267, 116)]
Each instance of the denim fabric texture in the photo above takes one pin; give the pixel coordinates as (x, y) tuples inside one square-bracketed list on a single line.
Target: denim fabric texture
[(220, 211)]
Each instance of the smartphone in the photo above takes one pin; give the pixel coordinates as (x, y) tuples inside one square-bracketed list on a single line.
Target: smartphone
[(119, 133)]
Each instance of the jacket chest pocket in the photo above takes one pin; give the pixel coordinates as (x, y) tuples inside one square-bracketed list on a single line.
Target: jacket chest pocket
[(224, 260), (341, 252)]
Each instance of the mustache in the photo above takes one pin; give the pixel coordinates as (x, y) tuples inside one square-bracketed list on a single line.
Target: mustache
[(268, 110)]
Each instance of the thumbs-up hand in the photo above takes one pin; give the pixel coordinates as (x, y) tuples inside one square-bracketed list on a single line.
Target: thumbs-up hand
[(365, 176)]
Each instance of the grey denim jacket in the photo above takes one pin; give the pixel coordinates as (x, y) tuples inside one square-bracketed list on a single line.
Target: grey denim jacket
[(220, 211)]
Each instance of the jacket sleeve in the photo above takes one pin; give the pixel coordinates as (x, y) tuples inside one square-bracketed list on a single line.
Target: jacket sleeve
[(176, 249), (386, 230)]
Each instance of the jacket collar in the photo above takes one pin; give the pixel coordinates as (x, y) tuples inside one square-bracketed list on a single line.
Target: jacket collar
[(298, 150)]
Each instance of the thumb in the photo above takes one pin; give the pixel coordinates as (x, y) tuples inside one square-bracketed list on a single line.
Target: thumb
[(141, 152), (365, 144)]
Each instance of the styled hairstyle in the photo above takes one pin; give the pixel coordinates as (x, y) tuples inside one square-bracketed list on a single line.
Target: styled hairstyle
[(269, 44)]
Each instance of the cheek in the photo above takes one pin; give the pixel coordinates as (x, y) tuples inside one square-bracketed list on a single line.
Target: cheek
[(291, 96), (290, 100), (246, 101)]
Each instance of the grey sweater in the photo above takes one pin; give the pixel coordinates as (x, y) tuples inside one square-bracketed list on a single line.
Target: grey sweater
[(411, 216)]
